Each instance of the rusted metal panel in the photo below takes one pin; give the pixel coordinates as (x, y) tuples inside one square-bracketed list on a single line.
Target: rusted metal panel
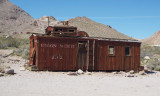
[(57, 54), (63, 54), (61, 31), (137, 57), (118, 61)]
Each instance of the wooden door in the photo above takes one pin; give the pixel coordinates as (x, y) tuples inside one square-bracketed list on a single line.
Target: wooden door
[(82, 55)]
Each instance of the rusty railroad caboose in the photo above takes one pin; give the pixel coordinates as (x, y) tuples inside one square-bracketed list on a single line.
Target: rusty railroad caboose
[(63, 48)]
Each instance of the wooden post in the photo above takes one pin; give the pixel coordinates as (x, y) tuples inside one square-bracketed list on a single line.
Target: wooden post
[(87, 55), (93, 53)]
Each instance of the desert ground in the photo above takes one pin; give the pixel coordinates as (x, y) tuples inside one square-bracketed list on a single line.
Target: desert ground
[(30, 83)]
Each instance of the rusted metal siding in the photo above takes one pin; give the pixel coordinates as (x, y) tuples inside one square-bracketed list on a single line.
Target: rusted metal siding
[(57, 54), (118, 61), (62, 54), (33, 48)]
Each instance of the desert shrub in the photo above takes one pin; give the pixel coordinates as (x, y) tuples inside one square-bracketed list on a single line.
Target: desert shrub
[(23, 52), (149, 50), (12, 42), (1, 67), (154, 53), (154, 63), (157, 68), (8, 42)]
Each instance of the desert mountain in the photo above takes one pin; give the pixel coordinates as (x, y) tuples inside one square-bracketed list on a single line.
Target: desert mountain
[(14, 20), (95, 29), (153, 40)]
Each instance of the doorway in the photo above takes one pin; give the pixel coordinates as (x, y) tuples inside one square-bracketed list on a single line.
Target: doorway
[(82, 55)]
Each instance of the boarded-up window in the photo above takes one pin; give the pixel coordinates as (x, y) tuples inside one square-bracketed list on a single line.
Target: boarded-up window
[(127, 51), (111, 50)]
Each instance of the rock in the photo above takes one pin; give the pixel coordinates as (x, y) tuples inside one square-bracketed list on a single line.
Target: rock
[(80, 71), (52, 18), (1, 74), (35, 23), (146, 57), (142, 73), (131, 72), (9, 71)]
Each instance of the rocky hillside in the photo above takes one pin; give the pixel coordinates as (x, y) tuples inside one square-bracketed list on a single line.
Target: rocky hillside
[(14, 20), (95, 29), (153, 40)]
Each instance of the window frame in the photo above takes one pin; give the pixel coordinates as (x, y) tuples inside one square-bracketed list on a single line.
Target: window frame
[(113, 50), (58, 29), (71, 31), (128, 51)]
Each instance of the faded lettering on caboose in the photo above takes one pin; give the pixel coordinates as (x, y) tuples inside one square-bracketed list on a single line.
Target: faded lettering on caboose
[(49, 45), (56, 45)]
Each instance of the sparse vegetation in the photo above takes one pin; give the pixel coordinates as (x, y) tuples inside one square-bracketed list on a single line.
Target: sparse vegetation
[(23, 52), (153, 52), (21, 46), (1, 67), (9, 42)]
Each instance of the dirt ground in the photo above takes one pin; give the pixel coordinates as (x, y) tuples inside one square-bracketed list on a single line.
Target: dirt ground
[(27, 83)]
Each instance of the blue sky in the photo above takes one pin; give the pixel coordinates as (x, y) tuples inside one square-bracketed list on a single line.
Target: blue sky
[(136, 18)]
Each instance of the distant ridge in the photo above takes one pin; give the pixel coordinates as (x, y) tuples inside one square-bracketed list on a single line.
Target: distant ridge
[(15, 21), (153, 40), (95, 29)]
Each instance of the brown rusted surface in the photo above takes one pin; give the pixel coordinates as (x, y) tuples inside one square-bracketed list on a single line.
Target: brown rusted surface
[(82, 34), (70, 54), (118, 61), (57, 54), (61, 31), (64, 31)]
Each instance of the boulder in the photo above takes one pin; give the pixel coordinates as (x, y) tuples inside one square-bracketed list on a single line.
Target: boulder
[(1, 74), (9, 71)]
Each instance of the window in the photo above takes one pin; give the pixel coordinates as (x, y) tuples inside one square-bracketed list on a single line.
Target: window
[(127, 51), (58, 30), (71, 30), (111, 50)]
